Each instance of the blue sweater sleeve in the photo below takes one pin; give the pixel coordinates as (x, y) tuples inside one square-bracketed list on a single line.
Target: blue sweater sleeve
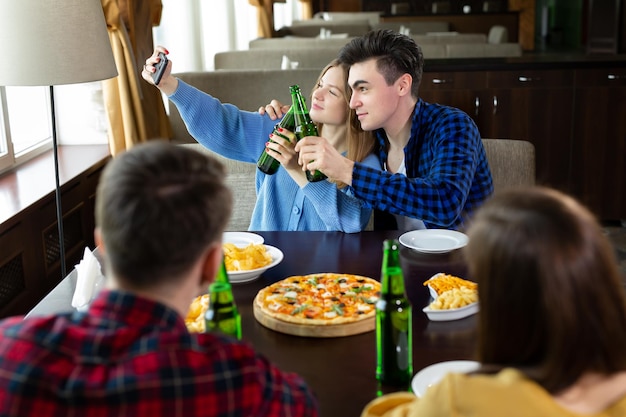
[(222, 127)]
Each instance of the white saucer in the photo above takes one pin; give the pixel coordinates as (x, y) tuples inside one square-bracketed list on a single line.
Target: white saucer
[(434, 240), (434, 373)]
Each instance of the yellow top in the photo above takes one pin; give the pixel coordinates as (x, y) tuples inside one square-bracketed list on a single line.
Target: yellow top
[(508, 393)]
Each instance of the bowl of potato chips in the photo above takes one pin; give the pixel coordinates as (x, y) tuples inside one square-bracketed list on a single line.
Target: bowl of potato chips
[(453, 298), (247, 262)]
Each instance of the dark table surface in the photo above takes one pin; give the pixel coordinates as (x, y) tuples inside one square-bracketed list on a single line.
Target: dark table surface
[(340, 370)]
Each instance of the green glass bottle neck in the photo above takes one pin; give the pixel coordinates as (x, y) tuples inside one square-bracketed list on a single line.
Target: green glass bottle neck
[(288, 122), (300, 110), (221, 292), (222, 274), (392, 277)]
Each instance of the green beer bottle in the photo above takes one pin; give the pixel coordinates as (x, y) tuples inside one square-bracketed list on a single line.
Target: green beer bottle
[(222, 274), (267, 163), (222, 314), (304, 127), (394, 347)]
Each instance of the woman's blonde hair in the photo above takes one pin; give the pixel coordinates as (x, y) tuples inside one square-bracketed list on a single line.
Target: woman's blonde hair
[(360, 143)]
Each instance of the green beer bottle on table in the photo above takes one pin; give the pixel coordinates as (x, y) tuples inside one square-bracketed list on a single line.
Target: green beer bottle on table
[(394, 347), (304, 127), (222, 315), (267, 163), (222, 274)]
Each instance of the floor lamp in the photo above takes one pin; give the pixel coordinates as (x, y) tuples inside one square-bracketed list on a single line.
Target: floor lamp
[(53, 42)]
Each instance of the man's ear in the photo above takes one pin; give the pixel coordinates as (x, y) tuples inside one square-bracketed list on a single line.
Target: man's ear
[(404, 84), (97, 238), (211, 263)]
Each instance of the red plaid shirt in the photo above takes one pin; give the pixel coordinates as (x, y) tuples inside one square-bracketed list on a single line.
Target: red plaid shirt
[(130, 356)]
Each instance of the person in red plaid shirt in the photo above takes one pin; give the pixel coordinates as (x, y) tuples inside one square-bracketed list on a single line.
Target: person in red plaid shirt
[(160, 213)]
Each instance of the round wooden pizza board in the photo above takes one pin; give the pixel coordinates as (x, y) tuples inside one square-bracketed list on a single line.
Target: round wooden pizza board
[(335, 330)]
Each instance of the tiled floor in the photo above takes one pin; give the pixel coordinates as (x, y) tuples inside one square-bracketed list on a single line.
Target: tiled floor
[(617, 234)]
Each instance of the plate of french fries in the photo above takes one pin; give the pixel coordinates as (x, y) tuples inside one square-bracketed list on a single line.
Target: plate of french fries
[(248, 262), (453, 298)]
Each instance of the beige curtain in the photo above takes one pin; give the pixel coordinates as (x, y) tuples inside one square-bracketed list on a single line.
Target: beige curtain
[(265, 17), (135, 109), (307, 9)]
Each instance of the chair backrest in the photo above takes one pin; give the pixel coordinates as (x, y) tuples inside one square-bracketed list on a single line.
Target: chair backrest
[(512, 162), (293, 42), (240, 178), (316, 58), (498, 34)]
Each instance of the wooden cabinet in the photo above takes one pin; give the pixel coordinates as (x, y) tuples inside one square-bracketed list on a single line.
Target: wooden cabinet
[(533, 105), (599, 141), (29, 238), (574, 117), (523, 105), (463, 90)]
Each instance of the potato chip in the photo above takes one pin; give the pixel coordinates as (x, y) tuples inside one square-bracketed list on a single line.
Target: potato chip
[(195, 316), (245, 258)]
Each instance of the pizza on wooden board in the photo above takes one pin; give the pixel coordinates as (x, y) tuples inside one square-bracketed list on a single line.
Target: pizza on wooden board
[(323, 299)]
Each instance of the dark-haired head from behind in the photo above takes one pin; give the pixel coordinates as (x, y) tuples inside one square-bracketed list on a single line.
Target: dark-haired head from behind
[(396, 54), (158, 207), (551, 294)]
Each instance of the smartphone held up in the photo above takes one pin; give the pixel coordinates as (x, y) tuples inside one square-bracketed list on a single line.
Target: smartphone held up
[(160, 68)]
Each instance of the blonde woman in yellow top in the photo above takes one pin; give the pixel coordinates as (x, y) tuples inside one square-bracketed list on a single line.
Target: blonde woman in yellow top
[(552, 325)]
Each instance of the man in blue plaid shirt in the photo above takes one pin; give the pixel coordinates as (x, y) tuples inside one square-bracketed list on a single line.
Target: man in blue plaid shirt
[(435, 167)]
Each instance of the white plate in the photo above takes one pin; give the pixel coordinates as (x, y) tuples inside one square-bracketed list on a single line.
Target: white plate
[(242, 239), (434, 240), (451, 314), (246, 276), (434, 373)]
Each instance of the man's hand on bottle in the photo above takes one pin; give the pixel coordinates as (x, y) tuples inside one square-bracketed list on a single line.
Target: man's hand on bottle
[(275, 109)]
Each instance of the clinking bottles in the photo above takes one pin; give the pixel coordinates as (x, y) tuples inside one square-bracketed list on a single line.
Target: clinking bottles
[(394, 347), (304, 126), (266, 163)]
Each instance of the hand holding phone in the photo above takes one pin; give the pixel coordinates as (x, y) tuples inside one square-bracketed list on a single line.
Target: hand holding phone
[(160, 68)]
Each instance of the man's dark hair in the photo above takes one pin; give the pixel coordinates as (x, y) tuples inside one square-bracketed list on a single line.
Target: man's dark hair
[(396, 54), (158, 207)]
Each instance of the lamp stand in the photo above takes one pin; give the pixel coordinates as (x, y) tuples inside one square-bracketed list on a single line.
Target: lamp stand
[(57, 189)]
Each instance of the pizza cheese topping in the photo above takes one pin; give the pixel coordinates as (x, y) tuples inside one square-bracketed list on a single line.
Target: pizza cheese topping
[(325, 298)]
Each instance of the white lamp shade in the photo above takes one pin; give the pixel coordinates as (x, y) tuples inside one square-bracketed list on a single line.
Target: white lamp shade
[(52, 42)]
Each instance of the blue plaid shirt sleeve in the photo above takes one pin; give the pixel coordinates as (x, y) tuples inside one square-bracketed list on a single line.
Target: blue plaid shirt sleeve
[(447, 173)]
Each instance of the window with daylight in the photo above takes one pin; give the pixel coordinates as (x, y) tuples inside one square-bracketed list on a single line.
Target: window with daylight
[(25, 121)]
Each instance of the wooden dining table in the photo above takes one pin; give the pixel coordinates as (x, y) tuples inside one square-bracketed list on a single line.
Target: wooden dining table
[(340, 370)]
